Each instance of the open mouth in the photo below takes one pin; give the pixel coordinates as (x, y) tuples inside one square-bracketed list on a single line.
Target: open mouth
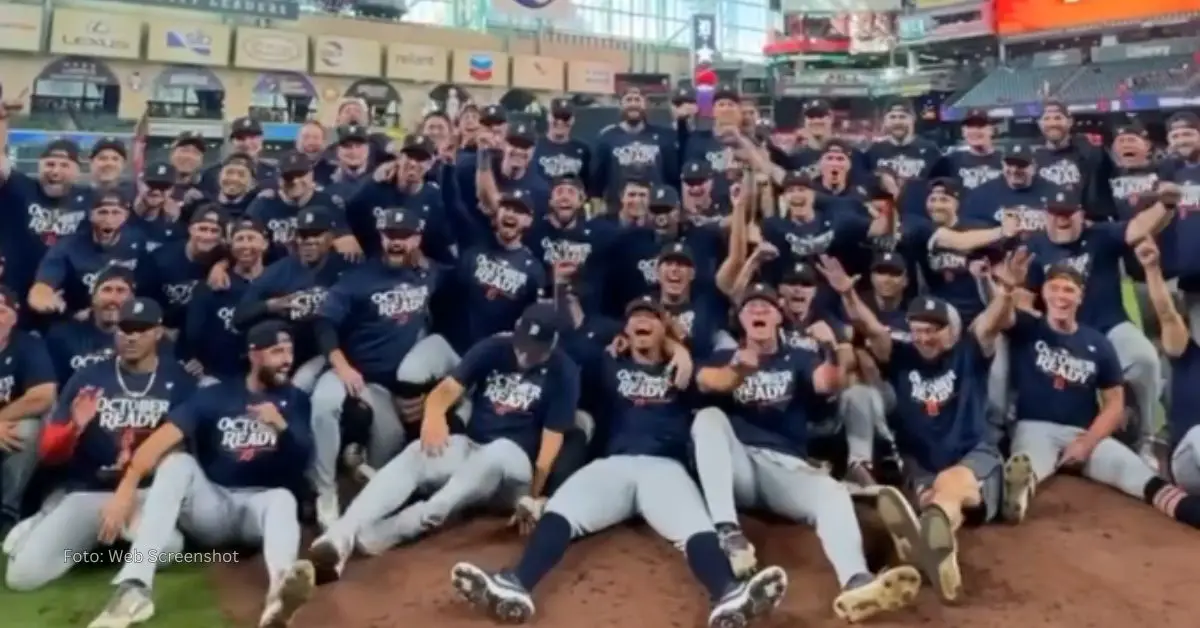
[(509, 222), (758, 324)]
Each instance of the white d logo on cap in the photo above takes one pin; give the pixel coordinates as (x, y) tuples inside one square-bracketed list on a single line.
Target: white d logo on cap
[(138, 307)]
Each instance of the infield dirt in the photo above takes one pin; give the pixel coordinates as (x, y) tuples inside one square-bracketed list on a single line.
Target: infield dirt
[(1086, 557)]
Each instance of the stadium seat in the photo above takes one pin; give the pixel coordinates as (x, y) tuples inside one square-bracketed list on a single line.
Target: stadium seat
[(1136, 76), (1009, 85)]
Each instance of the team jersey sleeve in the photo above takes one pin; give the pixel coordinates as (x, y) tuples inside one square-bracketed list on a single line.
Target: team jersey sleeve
[(338, 302), (55, 266), (189, 415), (36, 367), (475, 364), (564, 396)]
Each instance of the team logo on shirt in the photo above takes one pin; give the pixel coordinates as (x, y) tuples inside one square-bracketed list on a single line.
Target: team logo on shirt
[(809, 245), (560, 165), (401, 302), (636, 154), (89, 279), (978, 175), (510, 393), (904, 166), (81, 360), (138, 416), (948, 263), (498, 278), (1131, 186), (718, 159), (797, 339), (6, 388), (934, 392), (245, 437), (51, 224), (565, 251), (305, 303), (765, 388), (686, 320), (1063, 173), (283, 230), (226, 316), (649, 269), (1062, 367), (643, 388), (1030, 218), (179, 293)]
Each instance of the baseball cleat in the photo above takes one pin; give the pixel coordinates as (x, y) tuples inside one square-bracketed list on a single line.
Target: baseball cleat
[(328, 560), (129, 606), (738, 549), (328, 508), (941, 549), (902, 524), (1019, 485), (499, 595), (867, 596), (750, 600), (293, 592)]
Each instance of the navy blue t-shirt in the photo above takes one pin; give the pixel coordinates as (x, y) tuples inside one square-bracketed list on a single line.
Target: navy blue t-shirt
[(1057, 376), (986, 204), (24, 364), (510, 402), (235, 449), (770, 408), (646, 414), (496, 285), (73, 264), (126, 415), (32, 222), (1097, 256), (946, 272), (941, 404)]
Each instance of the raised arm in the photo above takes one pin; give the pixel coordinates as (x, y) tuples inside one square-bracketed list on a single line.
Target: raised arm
[(1154, 218), (1000, 313), (1173, 329), (732, 265), (877, 336)]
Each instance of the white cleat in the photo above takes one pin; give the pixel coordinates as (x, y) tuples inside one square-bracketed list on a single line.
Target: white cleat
[(499, 595), (1019, 486), (129, 606), (294, 591), (328, 509), (751, 599)]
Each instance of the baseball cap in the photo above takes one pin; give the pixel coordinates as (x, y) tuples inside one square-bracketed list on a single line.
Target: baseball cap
[(536, 331), (796, 179), (109, 143), (976, 117), (947, 186), (160, 174), (837, 145), (139, 314), (562, 109), (1063, 204), (567, 179), (663, 198), (352, 133), (726, 91), (683, 94), (314, 219), (1018, 155), (518, 200), (247, 224), (190, 138), (108, 198), (114, 273), (418, 147), (645, 303), (900, 106), (239, 159), (267, 334), (521, 135), (800, 274), (698, 171), (1183, 119), (493, 115), (677, 252), (817, 109), (63, 148), (208, 213), (245, 127), (1132, 128), (295, 164), (889, 262), (759, 292), (403, 221), (930, 310), (1064, 270)]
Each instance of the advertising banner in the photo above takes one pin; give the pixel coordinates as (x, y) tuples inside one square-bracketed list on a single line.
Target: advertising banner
[(969, 20), (872, 32), (262, 49), (540, 73), (548, 10), (417, 63), (270, 9), (1130, 103), (21, 27), (202, 44), (88, 34), (474, 67), (591, 77), (843, 32), (1014, 17), (1160, 48), (347, 56)]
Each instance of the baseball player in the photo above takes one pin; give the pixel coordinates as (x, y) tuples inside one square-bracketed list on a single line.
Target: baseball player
[(247, 441), (523, 392), (750, 451), (940, 421), (1070, 400), (27, 388), (642, 474), (74, 343), (1176, 340), (373, 328), (103, 413)]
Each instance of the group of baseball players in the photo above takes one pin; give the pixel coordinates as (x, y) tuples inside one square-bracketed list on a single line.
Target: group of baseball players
[(673, 324)]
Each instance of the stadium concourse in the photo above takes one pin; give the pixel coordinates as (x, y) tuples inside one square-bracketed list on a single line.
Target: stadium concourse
[(1087, 556)]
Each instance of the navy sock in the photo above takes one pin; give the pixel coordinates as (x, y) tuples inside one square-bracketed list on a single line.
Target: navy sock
[(709, 564), (1173, 501), (545, 548)]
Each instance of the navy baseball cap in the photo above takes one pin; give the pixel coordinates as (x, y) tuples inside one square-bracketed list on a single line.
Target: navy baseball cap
[(247, 224), (697, 171), (267, 334), (976, 117), (140, 312), (62, 148), (817, 109), (314, 220), (109, 143), (493, 115), (889, 262), (295, 164), (418, 147), (800, 274), (245, 127), (352, 133), (208, 213), (677, 252), (930, 310), (562, 109), (518, 200), (1019, 155), (521, 135), (403, 221), (160, 174), (1063, 205), (726, 91), (567, 179), (114, 273), (645, 303), (759, 292), (536, 331), (947, 186), (190, 138), (796, 179), (663, 198)]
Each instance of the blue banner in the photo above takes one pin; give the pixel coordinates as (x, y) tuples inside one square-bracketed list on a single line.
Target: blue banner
[(1134, 102)]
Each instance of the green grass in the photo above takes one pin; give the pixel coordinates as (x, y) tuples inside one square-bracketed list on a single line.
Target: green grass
[(183, 596)]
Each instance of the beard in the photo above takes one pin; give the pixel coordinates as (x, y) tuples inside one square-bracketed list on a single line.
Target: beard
[(632, 116), (271, 377)]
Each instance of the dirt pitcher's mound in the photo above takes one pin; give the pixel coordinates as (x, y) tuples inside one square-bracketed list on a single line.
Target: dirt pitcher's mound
[(1088, 557)]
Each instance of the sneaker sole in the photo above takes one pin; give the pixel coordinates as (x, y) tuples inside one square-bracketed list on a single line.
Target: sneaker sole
[(743, 560), (902, 525), (141, 615), (761, 594), (1018, 479), (324, 557), (890, 591), (294, 592), (943, 570), (476, 587)]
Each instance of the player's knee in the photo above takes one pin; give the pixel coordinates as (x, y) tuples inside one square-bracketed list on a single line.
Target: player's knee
[(177, 466), (959, 480), (709, 421), (281, 501), (24, 575)]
